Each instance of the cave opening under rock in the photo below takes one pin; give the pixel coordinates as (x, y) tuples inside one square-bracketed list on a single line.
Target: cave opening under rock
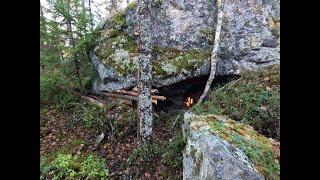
[(184, 94)]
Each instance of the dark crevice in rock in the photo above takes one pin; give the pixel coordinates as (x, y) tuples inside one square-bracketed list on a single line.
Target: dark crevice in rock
[(178, 92)]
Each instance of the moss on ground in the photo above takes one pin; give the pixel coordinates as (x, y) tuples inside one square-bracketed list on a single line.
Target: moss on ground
[(253, 99)]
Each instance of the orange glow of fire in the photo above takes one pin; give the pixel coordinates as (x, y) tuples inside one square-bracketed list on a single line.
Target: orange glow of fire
[(189, 102)]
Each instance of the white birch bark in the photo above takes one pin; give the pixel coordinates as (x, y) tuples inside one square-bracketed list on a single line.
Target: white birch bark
[(214, 52)]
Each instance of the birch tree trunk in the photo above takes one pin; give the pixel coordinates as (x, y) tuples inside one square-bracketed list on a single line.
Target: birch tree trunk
[(214, 52), (145, 69)]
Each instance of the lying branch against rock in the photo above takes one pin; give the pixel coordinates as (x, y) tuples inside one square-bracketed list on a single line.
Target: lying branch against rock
[(153, 91), (120, 96), (132, 93), (161, 98), (132, 97)]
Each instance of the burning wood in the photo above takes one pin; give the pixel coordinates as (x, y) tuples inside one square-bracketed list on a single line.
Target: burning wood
[(189, 102)]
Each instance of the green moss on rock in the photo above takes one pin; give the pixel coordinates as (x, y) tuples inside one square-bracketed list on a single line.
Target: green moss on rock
[(181, 60), (167, 62), (274, 25), (261, 151), (130, 6), (118, 50), (254, 99)]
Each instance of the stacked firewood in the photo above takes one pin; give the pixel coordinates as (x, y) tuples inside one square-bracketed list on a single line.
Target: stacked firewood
[(133, 95)]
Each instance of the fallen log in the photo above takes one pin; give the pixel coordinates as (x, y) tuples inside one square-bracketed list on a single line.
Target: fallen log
[(132, 93), (161, 98), (153, 91), (120, 96)]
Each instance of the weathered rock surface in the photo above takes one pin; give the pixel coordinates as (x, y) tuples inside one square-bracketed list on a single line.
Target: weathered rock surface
[(183, 29), (208, 157), (220, 148)]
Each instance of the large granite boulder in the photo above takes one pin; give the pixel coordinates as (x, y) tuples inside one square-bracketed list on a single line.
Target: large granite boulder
[(219, 148), (183, 33)]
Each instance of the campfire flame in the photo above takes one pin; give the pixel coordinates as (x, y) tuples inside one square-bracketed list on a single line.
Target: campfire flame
[(189, 102)]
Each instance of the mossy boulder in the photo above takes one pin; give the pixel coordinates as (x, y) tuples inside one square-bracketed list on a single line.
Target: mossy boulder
[(237, 146), (182, 36)]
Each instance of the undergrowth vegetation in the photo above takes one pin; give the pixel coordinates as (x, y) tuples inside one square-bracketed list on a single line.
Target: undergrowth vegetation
[(167, 154), (67, 166), (253, 99), (257, 148)]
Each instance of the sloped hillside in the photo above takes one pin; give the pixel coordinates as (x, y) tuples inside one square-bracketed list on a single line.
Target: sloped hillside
[(253, 99)]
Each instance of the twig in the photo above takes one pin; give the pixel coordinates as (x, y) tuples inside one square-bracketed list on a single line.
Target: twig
[(174, 123), (99, 139)]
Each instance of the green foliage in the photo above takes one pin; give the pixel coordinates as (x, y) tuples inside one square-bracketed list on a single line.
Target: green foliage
[(131, 5), (172, 156), (119, 21), (138, 155), (49, 89), (254, 100), (256, 147), (93, 167), (168, 153), (261, 155), (67, 166), (57, 63), (90, 114)]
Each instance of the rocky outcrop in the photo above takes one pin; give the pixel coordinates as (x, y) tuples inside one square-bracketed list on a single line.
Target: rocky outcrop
[(183, 31), (211, 153)]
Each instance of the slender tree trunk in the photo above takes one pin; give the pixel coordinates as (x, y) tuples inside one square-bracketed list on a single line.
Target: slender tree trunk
[(113, 6), (214, 53), (145, 69), (91, 16), (75, 55), (43, 29), (85, 31)]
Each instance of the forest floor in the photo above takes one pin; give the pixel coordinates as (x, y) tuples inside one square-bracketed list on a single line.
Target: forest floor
[(70, 126), (62, 132)]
